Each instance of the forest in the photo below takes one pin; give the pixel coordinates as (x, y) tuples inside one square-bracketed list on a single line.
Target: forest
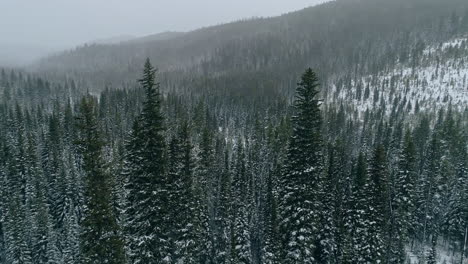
[(267, 147), (181, 188)]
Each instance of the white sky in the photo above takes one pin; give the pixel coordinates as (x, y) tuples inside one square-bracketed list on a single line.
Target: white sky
[(65, 23)]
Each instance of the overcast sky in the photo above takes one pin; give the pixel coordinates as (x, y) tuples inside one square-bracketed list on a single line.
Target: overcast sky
[(65, 23)]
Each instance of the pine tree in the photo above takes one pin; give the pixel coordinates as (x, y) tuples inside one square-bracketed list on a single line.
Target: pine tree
[(427, 207), (378, 209), (403, 205), (203, 191), (356, 245), (17, 248), (147, 213), (185, 228), (3, 201), (54, 165), (300, 203), (224, 210), (332, 222), (100, 241), (272, 246), (241, 234), (38, 204)]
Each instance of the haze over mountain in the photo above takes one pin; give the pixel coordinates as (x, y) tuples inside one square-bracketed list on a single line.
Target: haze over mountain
[(33, 24), (335, 37), (22, 54)]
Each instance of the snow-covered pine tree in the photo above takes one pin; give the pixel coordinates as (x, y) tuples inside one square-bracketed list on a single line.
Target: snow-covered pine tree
[(185, 227), (378, 206), (223, 212), (356, 247), (272, 239), (53, 163), (3, 191), (302, 180), (403, 204), (457, 215), (203, 209), (332, 223), (147, 210), (17, 248), (427, 206), (100, 236), (241, 248), (38, 203)]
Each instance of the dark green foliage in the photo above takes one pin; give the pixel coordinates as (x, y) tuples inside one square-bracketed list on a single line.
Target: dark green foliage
[(147, 229), (185, 223), (100, 235), (403, 204), (302, 180), (378, 205)]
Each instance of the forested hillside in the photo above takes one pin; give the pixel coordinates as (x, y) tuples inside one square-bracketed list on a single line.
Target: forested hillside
[(355, 36), (235, 151)]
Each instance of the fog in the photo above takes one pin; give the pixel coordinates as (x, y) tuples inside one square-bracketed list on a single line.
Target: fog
[(30, 29)]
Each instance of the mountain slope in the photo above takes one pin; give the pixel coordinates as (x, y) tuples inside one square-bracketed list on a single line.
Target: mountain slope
[(366, 36), (434, 80)]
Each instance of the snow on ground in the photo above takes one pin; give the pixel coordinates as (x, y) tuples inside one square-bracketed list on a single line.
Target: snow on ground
[(436, 83), (444, 256)]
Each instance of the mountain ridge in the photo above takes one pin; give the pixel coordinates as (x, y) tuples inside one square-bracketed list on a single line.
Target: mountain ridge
[(336, 38)]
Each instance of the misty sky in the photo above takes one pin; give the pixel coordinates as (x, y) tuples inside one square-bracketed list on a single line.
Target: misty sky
[(66, 23)]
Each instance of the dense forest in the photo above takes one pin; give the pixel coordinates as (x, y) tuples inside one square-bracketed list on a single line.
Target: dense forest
[(235, 151)]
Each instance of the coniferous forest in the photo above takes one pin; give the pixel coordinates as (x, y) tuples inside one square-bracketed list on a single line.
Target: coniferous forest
[(246, 155)]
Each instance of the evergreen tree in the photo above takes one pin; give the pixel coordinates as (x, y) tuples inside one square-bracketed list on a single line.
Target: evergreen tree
[(300, 202), (38, 204), (223, 212), (356, 245), (427, 206), (240, 215), (403, 204), (378, 205), (185, 227), (100, 240), (332, 223), (148, 192), (272, 246), (203, 192), (17, 248)]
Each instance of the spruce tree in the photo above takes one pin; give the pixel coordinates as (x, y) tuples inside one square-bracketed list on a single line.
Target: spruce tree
[(223, 212), (184, 218), (240, 213), (17, 248), (427, 206), (38, 204), (403, 205), (356, 246), (332, 222), (272, 240), (378, 205), (100, 236), (300, 201), (204, 192), (148, 198)]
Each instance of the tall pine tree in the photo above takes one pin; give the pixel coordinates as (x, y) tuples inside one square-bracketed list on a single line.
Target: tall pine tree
[(302, 181), (100, 236), (148, 192)]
